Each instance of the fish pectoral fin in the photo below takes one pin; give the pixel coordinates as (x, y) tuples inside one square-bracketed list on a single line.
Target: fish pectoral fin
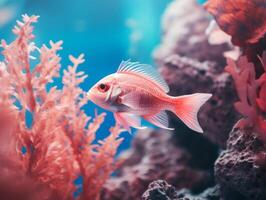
[(131, 99), (113, 93), (160, 120), (128, 120), (121, 121)]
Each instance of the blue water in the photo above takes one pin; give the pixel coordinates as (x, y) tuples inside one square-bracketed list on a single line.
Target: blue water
[(107, 31)]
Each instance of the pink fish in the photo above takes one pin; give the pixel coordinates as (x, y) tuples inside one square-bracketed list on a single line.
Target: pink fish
[(137, 90)]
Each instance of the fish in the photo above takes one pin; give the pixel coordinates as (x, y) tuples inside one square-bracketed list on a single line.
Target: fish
[(137, 91)]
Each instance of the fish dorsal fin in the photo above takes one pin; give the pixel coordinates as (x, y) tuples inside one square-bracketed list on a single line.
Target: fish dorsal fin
[(143, 70)]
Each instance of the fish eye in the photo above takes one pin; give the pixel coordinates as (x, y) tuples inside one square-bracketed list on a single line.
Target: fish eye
[(103, 87)]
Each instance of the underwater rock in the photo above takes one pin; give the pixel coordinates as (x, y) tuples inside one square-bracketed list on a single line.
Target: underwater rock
[(183, 25), (239, 169), (153, 156), (190, 64), (161, 190)]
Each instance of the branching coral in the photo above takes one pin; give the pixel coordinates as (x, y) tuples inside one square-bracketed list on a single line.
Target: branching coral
[(59, 144), (251, 93)]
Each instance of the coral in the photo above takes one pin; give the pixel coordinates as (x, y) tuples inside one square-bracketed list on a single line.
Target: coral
[(153, 156), (161, 190), (238, 170), (246, 25), (47, 141), (251, 92), (190, 64)]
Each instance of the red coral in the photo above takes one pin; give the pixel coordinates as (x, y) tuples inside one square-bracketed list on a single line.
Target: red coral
[(59, 142), (244, 20), (251, 92)]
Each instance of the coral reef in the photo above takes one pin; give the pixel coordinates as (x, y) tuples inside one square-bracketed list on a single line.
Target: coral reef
[(161, 190), (238, 169), (47, 141), (154, 156), (48, 145), (185, 55)]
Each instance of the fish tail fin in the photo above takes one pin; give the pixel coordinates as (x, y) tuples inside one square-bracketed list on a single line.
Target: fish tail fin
[(186, 108)]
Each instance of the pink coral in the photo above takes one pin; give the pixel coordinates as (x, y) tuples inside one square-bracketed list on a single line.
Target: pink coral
[(59, 145), (251, 92)]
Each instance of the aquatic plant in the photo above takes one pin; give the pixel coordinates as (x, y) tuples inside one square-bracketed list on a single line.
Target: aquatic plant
[(47, 141)]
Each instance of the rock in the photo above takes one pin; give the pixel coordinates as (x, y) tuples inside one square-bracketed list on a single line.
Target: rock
[(190, 64), (183, 25), (154, 155), (239, 169), (161, 190)]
